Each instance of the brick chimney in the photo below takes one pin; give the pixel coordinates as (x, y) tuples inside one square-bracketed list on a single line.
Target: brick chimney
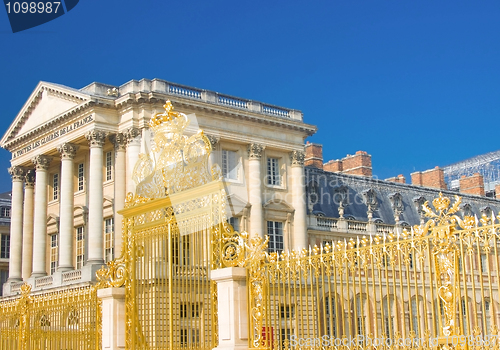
[(358, 164), (314, 155), (429, 178), (333, 166), (497, 191), (473, 184), (399, 179)]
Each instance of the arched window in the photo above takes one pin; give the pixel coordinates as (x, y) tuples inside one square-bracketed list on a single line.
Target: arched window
[(332, 320), (389, 309)]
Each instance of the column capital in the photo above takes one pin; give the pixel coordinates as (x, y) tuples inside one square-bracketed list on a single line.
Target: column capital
[(119, 140), (255, 150), (30, 178), (297, 158), (68, 150), (41, 162), (132, 134), (96, 138), (213, 139), (17, 173)]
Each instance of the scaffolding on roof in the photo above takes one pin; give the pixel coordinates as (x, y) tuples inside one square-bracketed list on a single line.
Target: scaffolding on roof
[(488, 165)]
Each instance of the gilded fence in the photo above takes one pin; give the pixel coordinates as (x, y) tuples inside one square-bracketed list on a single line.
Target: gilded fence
[(65, 319), (436, 285)]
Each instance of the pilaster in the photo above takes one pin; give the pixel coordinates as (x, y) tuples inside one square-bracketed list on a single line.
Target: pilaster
[(255, 152), (113, 318), (133, 136), (298, 200)]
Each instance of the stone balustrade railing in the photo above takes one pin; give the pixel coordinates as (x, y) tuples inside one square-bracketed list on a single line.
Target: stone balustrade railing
[(321, 223), (165, 87)]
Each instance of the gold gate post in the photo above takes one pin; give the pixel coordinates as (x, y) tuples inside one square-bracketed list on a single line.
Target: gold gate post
[(24, 317), (232, 307)]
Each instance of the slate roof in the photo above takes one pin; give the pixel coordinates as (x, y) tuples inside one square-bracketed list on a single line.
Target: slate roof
[(326, 185)]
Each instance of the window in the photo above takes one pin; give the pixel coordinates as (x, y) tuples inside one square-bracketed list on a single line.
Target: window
[(230, 164), (109, 229), (4, 275), (287, 312), (55, 187), (80, 247), (5, 212), (54, 253), (180, 250), (273, 172), (484, 263), (330, 316), (80, 177), (487, 317), (414, 316), (190, 310), (235, 222), (275, 234), (5, 247), (109, 166), (464, 317), (388, 317)]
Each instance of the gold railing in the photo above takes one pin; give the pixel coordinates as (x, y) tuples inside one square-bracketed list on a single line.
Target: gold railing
[(65, 319), (435, 286)]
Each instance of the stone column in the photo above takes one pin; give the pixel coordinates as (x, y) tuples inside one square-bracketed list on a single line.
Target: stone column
[(133, 149), (214, 140), (113, 318), (95, 233), (119, 140), (16, 224), (255, 189), (28, 224), (298, 200), (232, 308), (40, 216), (66, 207)]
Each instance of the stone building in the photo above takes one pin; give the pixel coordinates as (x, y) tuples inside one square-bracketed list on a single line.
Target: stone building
[(345, 200), (4, 237), (73, 154)]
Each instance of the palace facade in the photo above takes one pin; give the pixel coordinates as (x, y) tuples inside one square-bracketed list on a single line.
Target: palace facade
[(73, 156)]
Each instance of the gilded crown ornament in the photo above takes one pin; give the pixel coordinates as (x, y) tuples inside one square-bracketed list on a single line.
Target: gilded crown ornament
[(175, 163)]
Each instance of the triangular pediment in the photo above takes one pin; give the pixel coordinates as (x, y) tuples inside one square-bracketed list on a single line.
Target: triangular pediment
[(47, 102)]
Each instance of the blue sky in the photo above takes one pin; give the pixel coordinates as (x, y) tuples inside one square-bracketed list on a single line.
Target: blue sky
[(414, 83)]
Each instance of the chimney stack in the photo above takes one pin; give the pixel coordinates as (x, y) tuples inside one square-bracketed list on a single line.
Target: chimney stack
[(429, 178), (472, 185), (314, 155)]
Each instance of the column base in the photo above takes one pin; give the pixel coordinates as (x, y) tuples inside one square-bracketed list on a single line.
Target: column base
[(95, 262), (13, 279), (65, 268), (38, 274)]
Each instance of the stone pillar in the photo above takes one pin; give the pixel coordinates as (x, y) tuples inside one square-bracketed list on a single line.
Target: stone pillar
[(66, 207), (95, 234), (231, 307), (119, 140), (16, 224), (255, 189), (28, 224), (113, 318), (298, 200), (133, 150), (40, 216)]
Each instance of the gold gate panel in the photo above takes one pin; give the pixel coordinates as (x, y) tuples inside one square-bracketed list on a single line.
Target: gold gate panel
[(433, 286), (65, 319)]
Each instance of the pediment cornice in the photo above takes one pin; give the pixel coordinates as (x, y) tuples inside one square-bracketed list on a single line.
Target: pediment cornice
[(64, 93)]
